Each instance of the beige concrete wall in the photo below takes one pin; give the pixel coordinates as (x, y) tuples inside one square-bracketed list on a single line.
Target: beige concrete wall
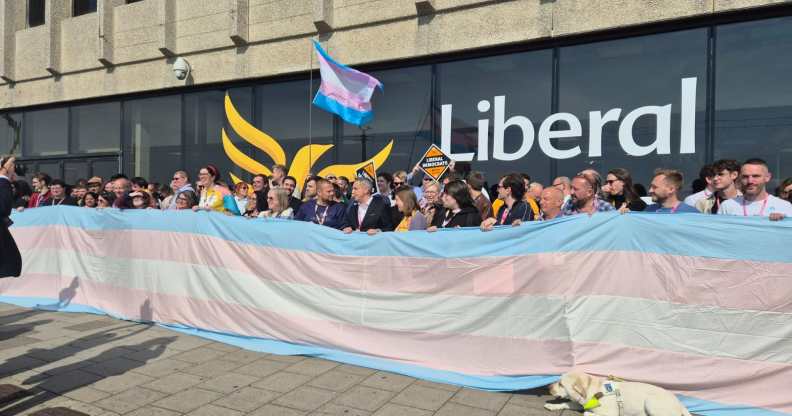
[(130, 48)]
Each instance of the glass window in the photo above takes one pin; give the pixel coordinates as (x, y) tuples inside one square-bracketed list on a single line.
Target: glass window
[(81, 7), (10, 128), (204, 120), (152, 134), (282, 111), (74, 170), (493, 106), (35, 13), (51, 168), (104, 168), (402, 114), (753, 98), (45, 132), (629, 97), (96, 128)]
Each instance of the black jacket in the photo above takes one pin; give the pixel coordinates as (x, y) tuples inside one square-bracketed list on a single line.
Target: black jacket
[(618, 200), (467, 217), (519, 211), (10, 260), (378, 215), (294, 204), (67, 200)]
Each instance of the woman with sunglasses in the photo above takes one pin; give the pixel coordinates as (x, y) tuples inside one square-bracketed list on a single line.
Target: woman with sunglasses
[(105, 200), (620, 192), (278, 201)]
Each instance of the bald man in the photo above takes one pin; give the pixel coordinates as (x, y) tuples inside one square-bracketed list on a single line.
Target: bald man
[(552, 200)]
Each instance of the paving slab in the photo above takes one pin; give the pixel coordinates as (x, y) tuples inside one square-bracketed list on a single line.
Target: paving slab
[(305, 398), (188, 400), (247, 399), (174, 383), (482, 399), (365, 398)]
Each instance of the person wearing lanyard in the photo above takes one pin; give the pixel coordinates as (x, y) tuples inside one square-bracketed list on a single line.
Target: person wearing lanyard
[(755, 201), (664, 189), (514, 209), (458, 209), (369, 213), (58, 195), (727, 172), (322, 209)]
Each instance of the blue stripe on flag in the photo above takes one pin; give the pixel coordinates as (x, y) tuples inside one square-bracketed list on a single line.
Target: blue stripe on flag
[(349, 115), (714, 236)]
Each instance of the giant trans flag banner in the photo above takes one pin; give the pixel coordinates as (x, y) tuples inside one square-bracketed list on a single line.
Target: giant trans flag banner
[(701, 305)]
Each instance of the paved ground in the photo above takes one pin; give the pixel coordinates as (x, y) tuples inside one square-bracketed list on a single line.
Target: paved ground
[(102, 366)]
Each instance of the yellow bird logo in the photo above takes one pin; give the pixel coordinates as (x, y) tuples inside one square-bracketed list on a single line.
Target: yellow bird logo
[(303, 161)]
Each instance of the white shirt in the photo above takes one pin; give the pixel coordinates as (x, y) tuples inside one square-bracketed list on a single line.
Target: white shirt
[(762, 208), (698, 196), (362, 208)]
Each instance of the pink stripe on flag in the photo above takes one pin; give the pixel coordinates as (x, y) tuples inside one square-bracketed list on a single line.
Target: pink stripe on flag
[(345, 97)]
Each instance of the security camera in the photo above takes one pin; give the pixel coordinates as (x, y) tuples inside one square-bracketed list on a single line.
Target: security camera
[(181, 69)]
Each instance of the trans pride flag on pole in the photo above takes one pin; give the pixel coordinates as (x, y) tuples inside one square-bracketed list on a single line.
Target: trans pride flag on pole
[(344, 91)]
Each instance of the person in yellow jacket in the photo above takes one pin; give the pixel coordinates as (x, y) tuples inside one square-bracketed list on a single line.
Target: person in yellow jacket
[(212, 194)]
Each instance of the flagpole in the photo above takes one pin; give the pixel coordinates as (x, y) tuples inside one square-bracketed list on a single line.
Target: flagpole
[(310, 106)]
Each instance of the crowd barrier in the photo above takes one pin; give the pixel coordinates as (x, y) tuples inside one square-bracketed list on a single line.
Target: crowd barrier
[(701, 305)]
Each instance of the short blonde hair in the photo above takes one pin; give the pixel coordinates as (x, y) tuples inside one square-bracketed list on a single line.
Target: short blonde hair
[(673, 177)]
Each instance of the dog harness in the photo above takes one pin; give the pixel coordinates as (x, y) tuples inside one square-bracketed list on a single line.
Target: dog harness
[(609, 388)]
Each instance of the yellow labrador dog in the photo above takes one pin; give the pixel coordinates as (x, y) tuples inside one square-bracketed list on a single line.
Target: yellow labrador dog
[(601, 397)]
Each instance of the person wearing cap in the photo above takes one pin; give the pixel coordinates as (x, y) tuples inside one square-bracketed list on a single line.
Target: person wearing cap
[(94, 185)]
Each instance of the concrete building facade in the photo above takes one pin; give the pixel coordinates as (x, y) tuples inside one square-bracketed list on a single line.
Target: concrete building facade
[(125, 50)]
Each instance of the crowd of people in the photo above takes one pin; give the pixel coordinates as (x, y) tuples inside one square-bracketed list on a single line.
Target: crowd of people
[(407, 201)]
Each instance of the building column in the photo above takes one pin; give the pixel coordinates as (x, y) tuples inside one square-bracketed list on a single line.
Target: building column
[(323, 15), (239, 32), (7, 39), (166, 20)]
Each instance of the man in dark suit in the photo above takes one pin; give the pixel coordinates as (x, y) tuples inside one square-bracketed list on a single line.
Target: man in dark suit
[(10, 260), (367, 212)]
